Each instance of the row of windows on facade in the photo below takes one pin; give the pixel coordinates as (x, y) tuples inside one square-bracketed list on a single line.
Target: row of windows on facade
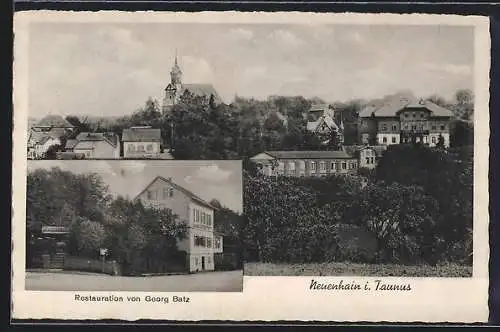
[(322, 166), (408, 140), (200, 217), (167, 193), (140, 148), (206, 242), (414, 127)]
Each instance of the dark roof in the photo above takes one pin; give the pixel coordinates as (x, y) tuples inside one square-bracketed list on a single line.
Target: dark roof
[(40, 137), (141, 134), (309, 154), (111, 138), (54, 121), (184, 190), (202, 90), (391, 105)]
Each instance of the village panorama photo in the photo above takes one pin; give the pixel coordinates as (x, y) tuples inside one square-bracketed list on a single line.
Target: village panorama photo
[(356, 141), (159, 226)]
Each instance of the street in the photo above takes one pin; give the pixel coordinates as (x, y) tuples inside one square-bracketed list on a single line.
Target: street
[(227, 281)]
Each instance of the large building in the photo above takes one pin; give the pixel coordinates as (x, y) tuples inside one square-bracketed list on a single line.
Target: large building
[(201, 243), (305, 163), (176, 89), (46, 133), (404, 119)]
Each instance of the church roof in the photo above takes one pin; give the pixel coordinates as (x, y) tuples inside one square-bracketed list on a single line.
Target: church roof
[(54, 121), (141, 134), (202, 90)]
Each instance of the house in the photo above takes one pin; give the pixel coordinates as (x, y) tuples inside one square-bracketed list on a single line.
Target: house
[(50, 131), (95, 145), (402, 118), (176, 89), (305, 163), (321, 122), (201, 243), (368, 155), (141, 142)]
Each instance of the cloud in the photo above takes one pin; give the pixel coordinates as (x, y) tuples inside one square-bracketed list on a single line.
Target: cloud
[(284, 37), (240, 34), (212, 173), (188, 179), (252, 73), (448, 68)]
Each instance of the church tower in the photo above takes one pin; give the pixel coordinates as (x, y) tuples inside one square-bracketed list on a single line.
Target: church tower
[(173, 89)]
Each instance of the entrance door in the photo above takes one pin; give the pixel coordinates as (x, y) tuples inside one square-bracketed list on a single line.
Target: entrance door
[(203, 262)]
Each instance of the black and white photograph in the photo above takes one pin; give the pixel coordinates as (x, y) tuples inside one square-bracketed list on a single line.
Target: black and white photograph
[(134, 226)]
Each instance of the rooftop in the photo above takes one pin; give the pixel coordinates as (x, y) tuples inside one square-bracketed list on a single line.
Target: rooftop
[(111, 138)]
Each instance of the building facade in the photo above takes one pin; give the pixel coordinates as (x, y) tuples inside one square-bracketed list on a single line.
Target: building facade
[(201, 242), (176, 89), (48, 132), (321, 121), (402, 119), (95, 145), (305, 163), (367, 155), (141, 142)]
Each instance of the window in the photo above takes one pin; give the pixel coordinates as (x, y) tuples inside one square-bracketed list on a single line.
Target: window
[(442, 127), (217, 243), (394, 127), (171, 192), (406, 126), (393, 139), (209, 242), (433, 139), (322, 166), (384, 127), (413, 127), (421, 115), (373, 160), (199, 241), (209, 220), (414, 115), (333, 166), (406, 115), (209, 259), (344, 165), (149, 147), (166, 193), (140, 148), (421, 127), (384, 139), (131, 148), (433, 127), (367, 160), (281, 165), (313, 165)]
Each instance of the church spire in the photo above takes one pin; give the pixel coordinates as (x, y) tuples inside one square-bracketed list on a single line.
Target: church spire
[(176, 73)]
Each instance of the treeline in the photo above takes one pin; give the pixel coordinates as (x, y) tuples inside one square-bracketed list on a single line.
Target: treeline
[(196, 128), (415, 207), (136, 236)]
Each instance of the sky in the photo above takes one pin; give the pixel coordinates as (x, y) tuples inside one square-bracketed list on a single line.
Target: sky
[(220, 179), (112, 68)]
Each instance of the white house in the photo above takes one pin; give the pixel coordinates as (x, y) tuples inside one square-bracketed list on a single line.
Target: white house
[(201, 243), (95, 145), (141, 142)]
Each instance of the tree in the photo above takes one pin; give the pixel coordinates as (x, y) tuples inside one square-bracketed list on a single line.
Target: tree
[(90, 236), (334, 141)]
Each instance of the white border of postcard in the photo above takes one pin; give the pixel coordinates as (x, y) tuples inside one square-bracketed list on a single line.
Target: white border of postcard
[(268, 298)]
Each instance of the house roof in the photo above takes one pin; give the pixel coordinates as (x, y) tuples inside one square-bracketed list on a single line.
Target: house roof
[(309, 154), (390, 106), (40, 137), (178, 187), (201, 90), (54, 121), (110, 138), (323, 108), (354, 149), (313, 125), (141, 134)]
